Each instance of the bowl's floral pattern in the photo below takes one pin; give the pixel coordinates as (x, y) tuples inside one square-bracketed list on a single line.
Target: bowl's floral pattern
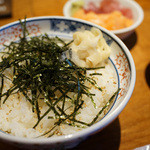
[(14, 32)]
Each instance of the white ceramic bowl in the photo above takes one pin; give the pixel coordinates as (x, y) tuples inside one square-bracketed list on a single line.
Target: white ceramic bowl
[(120, 58), (137, 11)]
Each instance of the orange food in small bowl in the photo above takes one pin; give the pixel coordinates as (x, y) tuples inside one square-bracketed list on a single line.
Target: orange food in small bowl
[(111, 21), (121, 17)]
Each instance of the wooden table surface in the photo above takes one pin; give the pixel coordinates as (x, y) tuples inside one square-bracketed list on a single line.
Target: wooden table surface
[(132, 128)]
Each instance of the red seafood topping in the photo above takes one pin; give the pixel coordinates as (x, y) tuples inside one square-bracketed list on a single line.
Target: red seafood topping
[(108, 6)]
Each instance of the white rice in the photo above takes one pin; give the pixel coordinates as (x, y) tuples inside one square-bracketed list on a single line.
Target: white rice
[(17, 118)]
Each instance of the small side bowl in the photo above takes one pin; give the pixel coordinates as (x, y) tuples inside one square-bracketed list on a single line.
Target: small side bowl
[(64, 28), (137, 11)]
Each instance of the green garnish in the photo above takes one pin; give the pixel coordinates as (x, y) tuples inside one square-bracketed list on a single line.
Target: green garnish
[(92, 74), (39, 72), (76, 6)]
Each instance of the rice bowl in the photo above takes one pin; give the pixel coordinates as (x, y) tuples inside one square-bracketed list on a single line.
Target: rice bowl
[(40, 23)]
